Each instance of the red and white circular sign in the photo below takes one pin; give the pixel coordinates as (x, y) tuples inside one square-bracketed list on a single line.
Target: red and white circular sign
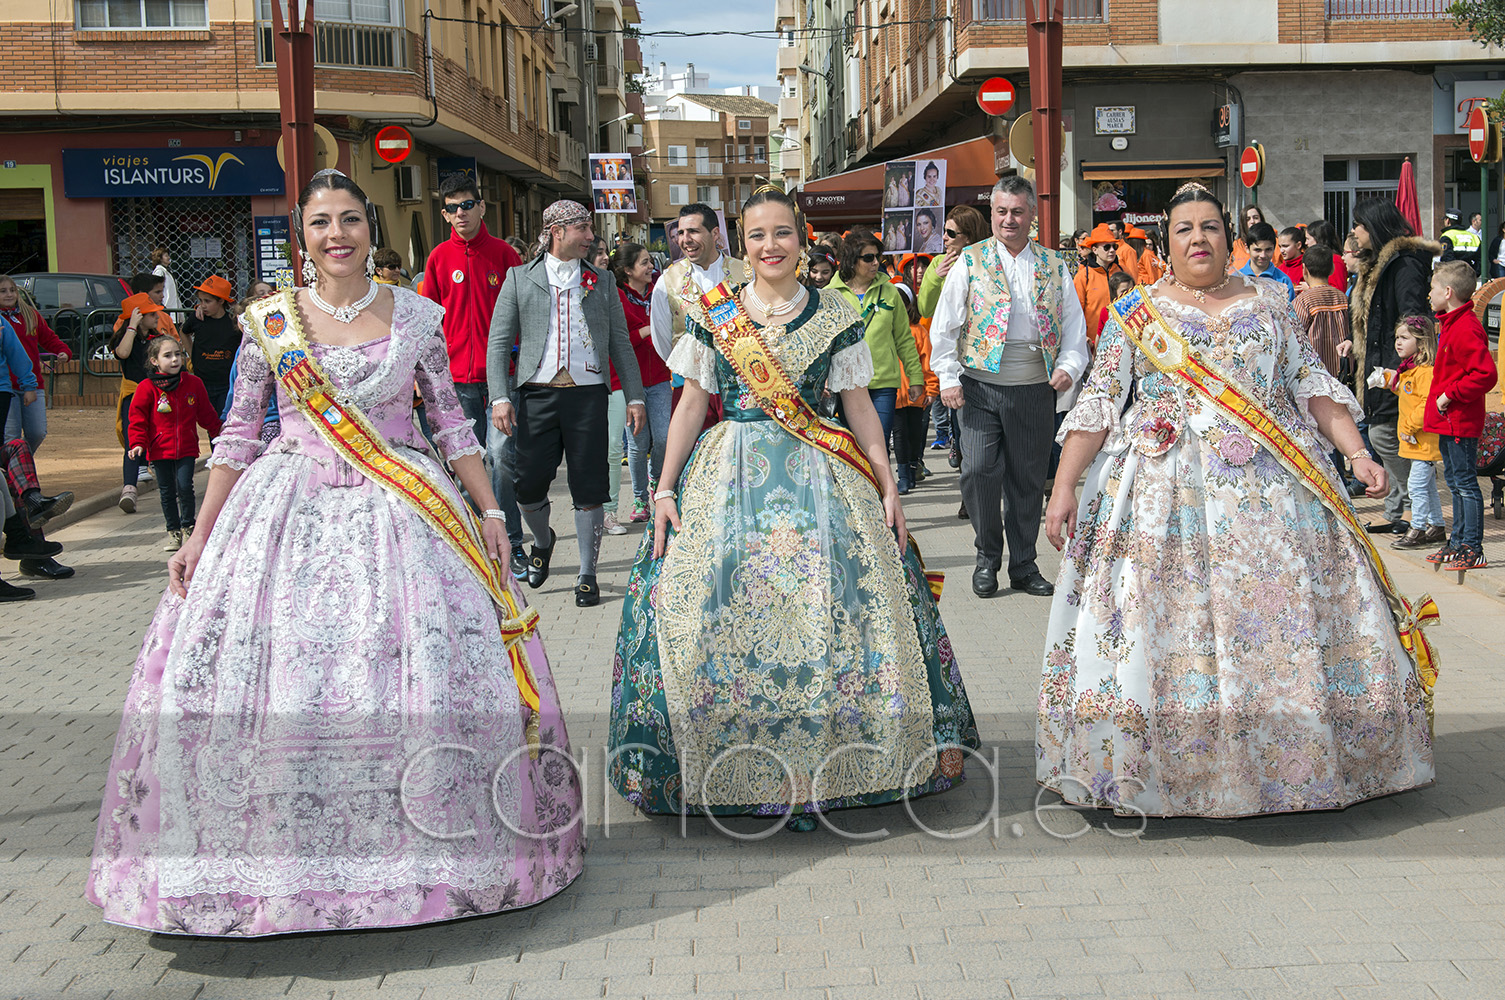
[(996, 96), (394, 143), (1478, 134), (1251, 165)]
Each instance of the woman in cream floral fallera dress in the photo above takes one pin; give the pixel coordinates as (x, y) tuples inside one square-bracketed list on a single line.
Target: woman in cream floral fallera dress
[(327, 733), (782, 626), (1218, 644)]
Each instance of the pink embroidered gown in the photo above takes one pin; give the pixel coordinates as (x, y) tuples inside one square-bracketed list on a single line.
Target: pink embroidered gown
[(327, 732)]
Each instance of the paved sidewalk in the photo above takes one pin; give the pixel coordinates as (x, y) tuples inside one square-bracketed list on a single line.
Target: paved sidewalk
[(1396, 899)]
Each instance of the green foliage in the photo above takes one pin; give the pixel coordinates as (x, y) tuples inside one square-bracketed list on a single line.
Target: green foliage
[(1483, 19), (635, 85)]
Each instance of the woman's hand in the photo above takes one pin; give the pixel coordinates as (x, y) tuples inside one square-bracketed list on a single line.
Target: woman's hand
[(182, 564), (1345, 348), (1371, 473), (1060, 516), (494, 537), (893, 516), (665, 513)]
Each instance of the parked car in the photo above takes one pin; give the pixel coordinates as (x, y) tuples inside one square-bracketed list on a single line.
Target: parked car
[(56, 292)]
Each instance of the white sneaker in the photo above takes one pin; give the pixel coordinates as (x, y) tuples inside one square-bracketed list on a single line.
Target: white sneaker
[(611, 527), (143, 475), (174, 541)]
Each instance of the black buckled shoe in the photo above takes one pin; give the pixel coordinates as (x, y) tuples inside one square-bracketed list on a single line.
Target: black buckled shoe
[(587, 594), (1034, 584), (984, 581), (30, 547), (47, 569), (42, 509), (538, 562)]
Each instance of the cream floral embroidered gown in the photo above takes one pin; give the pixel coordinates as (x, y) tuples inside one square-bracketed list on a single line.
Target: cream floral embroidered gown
[(327, 733), (1218, 645), (782, 656)]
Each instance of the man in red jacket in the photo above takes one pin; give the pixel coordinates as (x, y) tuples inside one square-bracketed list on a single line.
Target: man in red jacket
[(1462, 373), (464, 274)]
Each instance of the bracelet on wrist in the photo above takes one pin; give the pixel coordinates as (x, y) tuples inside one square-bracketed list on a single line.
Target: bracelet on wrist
[(493, 515), (1361, 453), (663, 495)]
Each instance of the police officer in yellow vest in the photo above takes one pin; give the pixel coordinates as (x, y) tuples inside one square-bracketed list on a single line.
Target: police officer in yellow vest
[(1459, 243), (1009, 340), (702, 268)]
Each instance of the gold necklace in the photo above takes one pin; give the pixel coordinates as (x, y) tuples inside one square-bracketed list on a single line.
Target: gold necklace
[(1200, 294)]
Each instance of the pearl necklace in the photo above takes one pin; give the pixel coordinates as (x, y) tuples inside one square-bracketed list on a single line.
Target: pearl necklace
[(345, 314), (1200, 294), (782, 309)]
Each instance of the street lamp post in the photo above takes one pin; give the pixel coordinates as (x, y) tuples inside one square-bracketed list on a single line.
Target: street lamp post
[(1045, 28), (293, 30)]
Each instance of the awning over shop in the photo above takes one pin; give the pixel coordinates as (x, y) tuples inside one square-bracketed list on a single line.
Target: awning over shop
[(856, 196), (1146, 170)]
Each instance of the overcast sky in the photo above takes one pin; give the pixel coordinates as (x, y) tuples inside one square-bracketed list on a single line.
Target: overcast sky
[(731, 60)]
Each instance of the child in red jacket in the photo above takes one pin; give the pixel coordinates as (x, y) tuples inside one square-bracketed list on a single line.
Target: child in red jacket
[(1463, 372), (166, 413)]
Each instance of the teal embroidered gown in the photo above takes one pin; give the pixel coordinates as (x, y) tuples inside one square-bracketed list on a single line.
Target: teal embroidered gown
[(782, 656)]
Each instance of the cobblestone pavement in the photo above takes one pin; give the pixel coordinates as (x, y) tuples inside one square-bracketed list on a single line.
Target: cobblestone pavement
[(1395, 899)]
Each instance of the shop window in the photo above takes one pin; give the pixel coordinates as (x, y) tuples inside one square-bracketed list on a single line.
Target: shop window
[(96, 15), (204, 235)]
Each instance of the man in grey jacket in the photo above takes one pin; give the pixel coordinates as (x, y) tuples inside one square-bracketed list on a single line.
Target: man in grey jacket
[(567, 322)]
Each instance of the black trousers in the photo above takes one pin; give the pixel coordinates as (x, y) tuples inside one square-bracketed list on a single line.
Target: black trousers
[(1006, 438), (568, 423), (909, 434)]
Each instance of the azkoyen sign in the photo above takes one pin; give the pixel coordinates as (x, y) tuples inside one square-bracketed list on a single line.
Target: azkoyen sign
[(173, 173)]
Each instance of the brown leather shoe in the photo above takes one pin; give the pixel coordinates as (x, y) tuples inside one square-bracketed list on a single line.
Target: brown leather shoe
[(1436, 533), (1412, 539)]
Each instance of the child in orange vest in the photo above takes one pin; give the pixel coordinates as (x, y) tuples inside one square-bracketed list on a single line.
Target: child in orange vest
[(1416, 344)]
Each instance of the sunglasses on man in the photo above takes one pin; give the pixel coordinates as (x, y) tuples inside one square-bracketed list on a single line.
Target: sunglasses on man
[(468, 205)]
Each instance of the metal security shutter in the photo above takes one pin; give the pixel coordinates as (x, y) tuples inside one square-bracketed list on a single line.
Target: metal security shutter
[(22, 203), (204, 236)]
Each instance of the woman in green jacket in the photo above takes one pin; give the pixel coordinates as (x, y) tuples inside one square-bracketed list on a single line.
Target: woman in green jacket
[(886, 321)]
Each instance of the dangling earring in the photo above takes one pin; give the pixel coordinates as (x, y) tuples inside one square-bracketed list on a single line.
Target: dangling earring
[(371, 262), (802, 269), (310, 273)]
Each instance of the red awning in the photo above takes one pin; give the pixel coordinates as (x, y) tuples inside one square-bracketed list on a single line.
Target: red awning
[(855, 197)]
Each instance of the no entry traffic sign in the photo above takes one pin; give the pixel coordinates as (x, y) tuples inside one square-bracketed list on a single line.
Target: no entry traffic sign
[(996, 96), (1251, 165), (394, 143), (1480, 137)]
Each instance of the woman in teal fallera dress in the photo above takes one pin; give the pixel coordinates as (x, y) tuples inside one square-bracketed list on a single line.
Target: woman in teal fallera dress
[(779, 652)]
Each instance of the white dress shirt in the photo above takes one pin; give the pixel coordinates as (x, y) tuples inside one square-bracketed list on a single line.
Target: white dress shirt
[(567, 342), (951, 317), (705, 278)]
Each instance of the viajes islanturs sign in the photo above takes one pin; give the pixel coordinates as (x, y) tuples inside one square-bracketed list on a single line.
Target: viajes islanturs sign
[(171, 172)]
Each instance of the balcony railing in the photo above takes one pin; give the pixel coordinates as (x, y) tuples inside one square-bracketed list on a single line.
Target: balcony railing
[(1388, 10), (707, 169), (1079, 11), (609, 77), (353, 46)]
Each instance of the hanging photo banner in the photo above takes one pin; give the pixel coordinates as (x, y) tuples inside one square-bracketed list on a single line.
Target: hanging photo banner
[(612, 187), (914, 206)]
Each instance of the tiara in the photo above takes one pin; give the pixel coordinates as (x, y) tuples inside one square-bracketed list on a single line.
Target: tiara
[(1191, 186)]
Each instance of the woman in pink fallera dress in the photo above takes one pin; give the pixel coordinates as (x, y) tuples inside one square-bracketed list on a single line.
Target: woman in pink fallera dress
[(323, 729)]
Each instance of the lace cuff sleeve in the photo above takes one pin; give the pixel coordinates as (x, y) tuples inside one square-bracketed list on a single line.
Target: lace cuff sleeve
[(693, 360), (851, 368), (1092, 414), (454, 434), (239, 442)]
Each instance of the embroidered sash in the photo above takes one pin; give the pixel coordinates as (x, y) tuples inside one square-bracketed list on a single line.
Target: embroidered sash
[(278, 330), (742, 344), (1168, 351)]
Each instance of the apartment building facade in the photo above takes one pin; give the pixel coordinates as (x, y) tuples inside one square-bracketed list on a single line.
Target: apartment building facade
[(1156, 92), (708, 148), (133, 124)]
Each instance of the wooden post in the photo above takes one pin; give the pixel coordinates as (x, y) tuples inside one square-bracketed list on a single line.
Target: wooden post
[(293, 41), (1045, 30)]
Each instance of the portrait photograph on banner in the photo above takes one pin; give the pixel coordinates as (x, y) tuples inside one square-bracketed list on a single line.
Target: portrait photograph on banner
[(914, 206), (897, 232), (612, 187)]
